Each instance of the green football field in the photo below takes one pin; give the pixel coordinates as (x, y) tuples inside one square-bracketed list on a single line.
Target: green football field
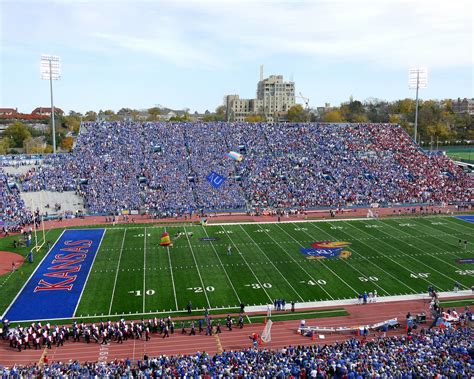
[(132, 274)]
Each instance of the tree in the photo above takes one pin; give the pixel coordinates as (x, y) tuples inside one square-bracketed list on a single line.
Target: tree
[(67, 143), (72, 123), (34, 145), (153, 114), (90, 116), (334, 115), (220, 113), (254, 118), (4, 145), (17, 133), (297, 114)]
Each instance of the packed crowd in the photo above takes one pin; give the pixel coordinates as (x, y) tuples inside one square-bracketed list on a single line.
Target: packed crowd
[(436, 353), (163, 167), (12, 207)]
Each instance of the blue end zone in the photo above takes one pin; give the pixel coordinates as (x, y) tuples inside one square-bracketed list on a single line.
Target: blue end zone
[(55, 288), (468, 218)]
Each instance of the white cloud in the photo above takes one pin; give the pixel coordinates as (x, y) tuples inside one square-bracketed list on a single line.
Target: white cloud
[(388, 32)]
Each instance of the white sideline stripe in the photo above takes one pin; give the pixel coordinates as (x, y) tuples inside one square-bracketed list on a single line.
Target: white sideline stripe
[(305, 305), (90, 269), (172, 276), (362, 218), (380, 299), (116, 274), (34, 271)]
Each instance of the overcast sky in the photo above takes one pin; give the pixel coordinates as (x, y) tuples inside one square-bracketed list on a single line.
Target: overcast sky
[(191, 53)]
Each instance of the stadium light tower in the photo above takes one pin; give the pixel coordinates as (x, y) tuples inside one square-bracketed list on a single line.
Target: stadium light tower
[(417, 78), (51, 70)]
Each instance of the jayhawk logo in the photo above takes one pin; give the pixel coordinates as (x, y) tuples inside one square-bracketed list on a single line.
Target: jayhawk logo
[(327, 249)]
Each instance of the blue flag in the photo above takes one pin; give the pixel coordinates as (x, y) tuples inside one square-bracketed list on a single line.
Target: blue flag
[(215, 179)]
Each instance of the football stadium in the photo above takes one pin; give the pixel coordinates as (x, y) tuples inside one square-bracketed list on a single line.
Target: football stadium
[(266, 239)]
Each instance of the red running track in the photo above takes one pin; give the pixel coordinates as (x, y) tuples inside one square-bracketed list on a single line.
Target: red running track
[(283, 334)]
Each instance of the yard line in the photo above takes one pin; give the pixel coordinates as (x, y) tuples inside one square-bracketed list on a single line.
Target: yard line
[(222, 265), (404, 254), (172, 277), (197, 268), (256, 244), (463, 223), (383, 255), (457, 234), (456, 245), (90, 269), (431, 255), (144, 270), (250, 268), (116, 274), (371, 262), (307, 273), (342, 280), (345, 260)]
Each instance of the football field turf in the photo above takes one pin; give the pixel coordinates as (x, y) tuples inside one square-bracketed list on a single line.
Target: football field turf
[(132, 274)]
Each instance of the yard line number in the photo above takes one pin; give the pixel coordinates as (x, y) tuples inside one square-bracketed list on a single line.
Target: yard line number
[(465, 272), (200, 289), (420, 275), (320, 282), (257, 286), (368, 279), (149, 292)]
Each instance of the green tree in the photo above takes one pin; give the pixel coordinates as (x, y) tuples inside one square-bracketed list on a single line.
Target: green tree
[(297, 114), (67, 143), (17, 133), (220, 113), (90, 116), (4, 145), (334, 115), (72, 123), (254, 118), (153, 114)]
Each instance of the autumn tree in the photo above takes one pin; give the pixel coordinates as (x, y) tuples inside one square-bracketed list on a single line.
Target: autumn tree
[(17, 133)]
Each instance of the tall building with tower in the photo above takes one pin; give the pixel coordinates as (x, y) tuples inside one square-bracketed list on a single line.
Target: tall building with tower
[(274, 98)]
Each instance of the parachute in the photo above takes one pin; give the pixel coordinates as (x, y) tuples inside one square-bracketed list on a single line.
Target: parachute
[(235, 156), (165, 239)]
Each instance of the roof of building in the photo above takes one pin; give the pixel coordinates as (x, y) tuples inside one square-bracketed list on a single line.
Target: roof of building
[(39, 110)]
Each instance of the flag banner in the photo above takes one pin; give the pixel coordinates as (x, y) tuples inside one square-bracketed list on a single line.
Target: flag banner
[(215, 179), (266, 334)]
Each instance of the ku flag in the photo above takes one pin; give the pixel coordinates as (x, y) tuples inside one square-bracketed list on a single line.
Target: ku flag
[(215, 179)]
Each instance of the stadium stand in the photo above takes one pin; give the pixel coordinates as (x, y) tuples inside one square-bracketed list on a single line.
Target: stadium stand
[(162, 167), (435, 353)]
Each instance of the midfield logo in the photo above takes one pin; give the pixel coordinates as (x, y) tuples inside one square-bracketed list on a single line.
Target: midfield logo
[(326, 250)]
